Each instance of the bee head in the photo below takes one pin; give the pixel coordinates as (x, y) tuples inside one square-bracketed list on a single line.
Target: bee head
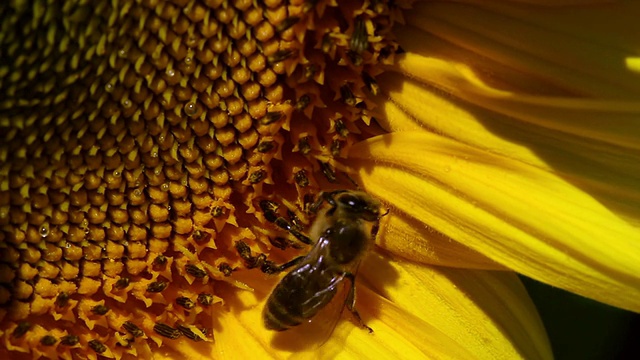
[(360, 204)]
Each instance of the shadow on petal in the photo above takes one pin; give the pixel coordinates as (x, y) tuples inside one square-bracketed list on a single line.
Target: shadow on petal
[(518, 215), (416, 311)]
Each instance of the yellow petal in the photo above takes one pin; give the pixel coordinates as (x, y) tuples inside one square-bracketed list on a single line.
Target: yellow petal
[(609, 172), (519, 215), (478, 310), (580, 50), (408, 237), (527, 113), (416, 311)]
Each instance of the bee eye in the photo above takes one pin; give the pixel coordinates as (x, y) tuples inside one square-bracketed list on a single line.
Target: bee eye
[(352, 202)]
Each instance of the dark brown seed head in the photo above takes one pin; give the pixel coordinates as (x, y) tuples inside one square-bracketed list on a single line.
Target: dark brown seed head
[(132, 329), (271, 117), (301, 178), (69, 340), (257, 176), (303, 102), (266, 146), (188, 333), (359, 41), (157, 286), (217, 211), (21, 329), (304, 146), (99, 309), (225, 269), (287, 23), (97, 346), (195, 271), (166, 331), (62, 299), (122, 283), (205, 299), (185, 302), (48, 340), (243, 250), (160, 260)]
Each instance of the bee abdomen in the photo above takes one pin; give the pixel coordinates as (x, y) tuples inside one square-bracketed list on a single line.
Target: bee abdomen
[(278, 316)]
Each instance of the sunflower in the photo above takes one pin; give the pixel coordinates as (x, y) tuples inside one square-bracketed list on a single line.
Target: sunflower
[(529, 145), (148, 147)]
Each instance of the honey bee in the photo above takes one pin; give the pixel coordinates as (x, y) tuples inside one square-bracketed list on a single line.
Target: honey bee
[(345, 230)]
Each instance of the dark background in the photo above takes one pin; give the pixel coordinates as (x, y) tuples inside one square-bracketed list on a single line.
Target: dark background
[(580, 328)]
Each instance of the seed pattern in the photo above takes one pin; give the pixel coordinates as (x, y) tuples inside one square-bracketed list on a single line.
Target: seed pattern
[(132, 328), (157, 286), (166, 331), (100, 309), (127, 129), (97, 346), (205, 299), (185, 302), (48, 340), (189, 333), (69, 340)]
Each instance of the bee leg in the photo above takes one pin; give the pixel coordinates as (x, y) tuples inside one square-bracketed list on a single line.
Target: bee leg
[(289, 264), (325, 196), (313, 208), (300, 236), (284, 224), (351, 301), (269, 209), (376, 226), (374, 231)]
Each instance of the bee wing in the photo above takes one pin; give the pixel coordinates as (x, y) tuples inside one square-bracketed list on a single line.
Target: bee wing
[(311, 335), (334, 312)]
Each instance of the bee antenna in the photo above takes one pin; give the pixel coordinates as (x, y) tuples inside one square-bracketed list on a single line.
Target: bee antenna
[(352, 181)]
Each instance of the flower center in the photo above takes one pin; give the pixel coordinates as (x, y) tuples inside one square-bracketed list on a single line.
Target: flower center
[(147, 149)]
